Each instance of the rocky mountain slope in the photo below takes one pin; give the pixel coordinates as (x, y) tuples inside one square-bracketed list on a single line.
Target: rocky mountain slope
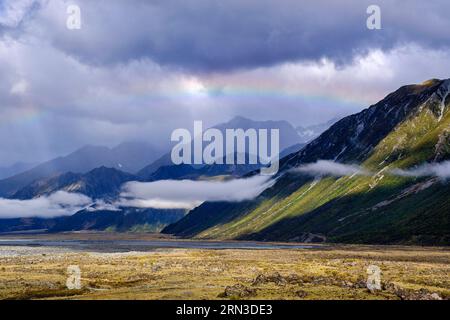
[(408, 128), (99, 183)]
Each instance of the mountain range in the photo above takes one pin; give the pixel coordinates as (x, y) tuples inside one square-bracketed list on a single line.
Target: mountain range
[(406, 129), (139, 158), (387, 193), (289, 140), (100, 173), (128, 157)]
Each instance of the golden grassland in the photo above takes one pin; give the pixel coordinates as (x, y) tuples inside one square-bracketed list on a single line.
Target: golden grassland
[(329, 272)]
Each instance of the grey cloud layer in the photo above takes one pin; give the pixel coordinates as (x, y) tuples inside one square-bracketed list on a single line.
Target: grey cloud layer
[(331, 168), (218, 35)]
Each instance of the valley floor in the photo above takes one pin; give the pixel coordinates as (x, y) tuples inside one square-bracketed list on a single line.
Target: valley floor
[(326, 272)]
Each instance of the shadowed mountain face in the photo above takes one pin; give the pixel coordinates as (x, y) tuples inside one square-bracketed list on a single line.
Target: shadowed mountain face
[(186, 171), (27, 224), (99, 183), (120, 220), (128, 157), (407, 128), (124, 220)]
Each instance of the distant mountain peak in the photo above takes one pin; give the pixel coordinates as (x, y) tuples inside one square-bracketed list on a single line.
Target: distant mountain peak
[(97, 183), (239, 119), (246, 122), (289, 138), (103, 169)]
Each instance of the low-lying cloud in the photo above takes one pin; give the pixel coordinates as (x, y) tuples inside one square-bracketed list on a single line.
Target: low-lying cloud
[(58, 204), (188, 194), (441, 170), (330, 168)]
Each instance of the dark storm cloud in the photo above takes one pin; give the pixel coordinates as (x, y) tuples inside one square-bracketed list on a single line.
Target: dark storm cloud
[(226, 35)]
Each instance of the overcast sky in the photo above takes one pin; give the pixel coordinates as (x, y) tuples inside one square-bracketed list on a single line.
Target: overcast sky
[(138, 69)]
